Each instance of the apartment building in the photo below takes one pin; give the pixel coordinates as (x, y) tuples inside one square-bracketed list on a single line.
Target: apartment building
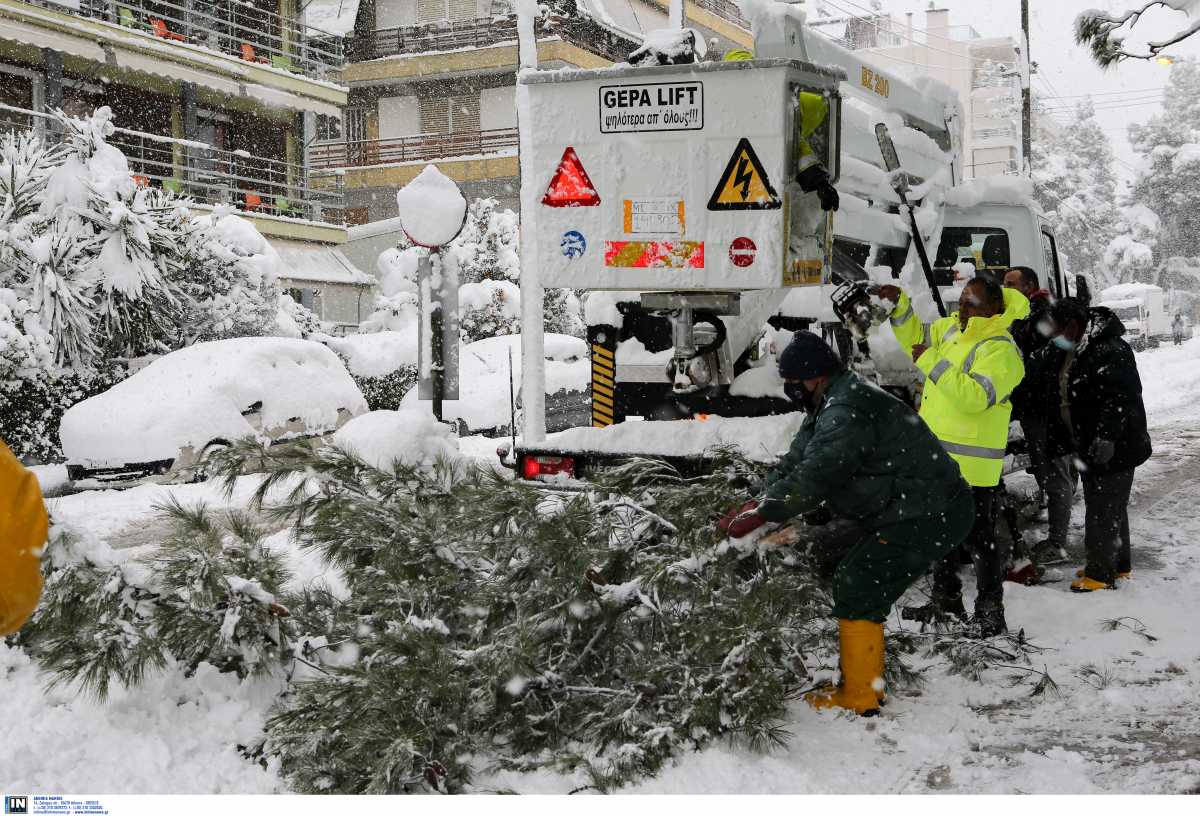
[(983, 70), (434, 81), (215, 100)]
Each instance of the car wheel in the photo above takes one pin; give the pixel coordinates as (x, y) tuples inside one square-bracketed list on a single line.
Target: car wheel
[(202, 472)]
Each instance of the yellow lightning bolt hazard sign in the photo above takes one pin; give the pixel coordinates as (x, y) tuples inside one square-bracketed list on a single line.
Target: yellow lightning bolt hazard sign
[(744, 184)]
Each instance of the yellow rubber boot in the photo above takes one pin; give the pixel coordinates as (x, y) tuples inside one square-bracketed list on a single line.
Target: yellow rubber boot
[(1086, 584), (862, 670)]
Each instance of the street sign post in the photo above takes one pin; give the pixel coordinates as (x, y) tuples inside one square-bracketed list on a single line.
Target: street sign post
[(432, 213)]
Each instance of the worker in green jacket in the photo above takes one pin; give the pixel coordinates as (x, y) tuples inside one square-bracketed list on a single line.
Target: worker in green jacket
[(971, 366), (866, 457)]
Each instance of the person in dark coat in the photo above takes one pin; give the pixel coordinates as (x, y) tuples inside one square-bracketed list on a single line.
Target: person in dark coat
[(1098, 417), (867, 457), (1053, 473)]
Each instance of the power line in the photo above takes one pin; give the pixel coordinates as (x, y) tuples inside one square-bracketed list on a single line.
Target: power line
[(1108, 93), (898, 31)]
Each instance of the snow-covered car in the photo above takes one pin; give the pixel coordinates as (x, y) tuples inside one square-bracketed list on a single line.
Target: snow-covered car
[(159, 422), (483, 405)]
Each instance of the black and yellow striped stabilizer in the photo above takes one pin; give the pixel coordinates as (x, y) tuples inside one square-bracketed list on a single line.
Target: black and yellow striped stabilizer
[(604, 375)]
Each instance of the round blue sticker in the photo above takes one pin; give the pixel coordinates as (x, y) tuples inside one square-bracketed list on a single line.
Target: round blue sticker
[(573, 244)]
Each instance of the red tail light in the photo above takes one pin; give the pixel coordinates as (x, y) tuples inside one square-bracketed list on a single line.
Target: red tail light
[(534, 466)]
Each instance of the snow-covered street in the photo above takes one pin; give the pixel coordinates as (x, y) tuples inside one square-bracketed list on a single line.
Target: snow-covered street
[(1120, 716)]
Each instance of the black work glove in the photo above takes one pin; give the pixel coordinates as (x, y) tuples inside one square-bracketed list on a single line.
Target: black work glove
[(815, 179), (1102, 451)]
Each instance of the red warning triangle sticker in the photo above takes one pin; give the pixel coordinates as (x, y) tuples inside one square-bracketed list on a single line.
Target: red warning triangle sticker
[(570, 186)]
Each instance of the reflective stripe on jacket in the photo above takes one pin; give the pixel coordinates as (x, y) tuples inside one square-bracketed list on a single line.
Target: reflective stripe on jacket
[(969, 377), (23, 526)]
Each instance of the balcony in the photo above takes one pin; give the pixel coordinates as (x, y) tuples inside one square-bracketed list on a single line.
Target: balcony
[(725, 10), (1002, 133), (461, 35), (256, 185), (229, 27), (424, 147)]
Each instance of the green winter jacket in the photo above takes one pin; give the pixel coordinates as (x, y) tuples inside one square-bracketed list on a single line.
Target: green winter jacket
[(868, 457)]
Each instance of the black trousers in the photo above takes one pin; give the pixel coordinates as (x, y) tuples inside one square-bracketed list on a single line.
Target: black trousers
[(1106, 524), (989, 557)]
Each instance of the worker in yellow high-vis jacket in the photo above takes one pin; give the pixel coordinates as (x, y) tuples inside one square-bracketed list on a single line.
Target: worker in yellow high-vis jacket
[(971, 366), (23, 526)]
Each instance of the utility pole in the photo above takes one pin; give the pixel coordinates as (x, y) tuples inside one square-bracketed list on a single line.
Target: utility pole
[(1026, 103)]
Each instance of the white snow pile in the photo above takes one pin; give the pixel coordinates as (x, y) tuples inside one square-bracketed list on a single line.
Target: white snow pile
[(388, 438), (432, 208), (760, 381), (377, 354), (504, 295), (198, 394), (396, 303), (600, 307), (672, 43), (1129, 291), (767, 14), (483, 401), (763, 439), (993, 190)]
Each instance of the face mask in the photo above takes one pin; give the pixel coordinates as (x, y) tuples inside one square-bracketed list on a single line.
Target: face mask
[(800, 395), (1062, 342)]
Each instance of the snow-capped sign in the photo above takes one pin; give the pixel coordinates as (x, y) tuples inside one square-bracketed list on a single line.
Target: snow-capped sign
[(653, 106), (570, 186), (744, 184), (432, 208)]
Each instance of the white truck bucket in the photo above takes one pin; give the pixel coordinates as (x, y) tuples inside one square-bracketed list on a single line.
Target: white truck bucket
[(678, 178)]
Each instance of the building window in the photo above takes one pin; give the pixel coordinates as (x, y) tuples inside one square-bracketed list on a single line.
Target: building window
[(439, 11), (450, 114), (329, 128)]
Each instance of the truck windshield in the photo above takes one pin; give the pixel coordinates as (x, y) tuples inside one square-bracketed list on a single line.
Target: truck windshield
[(1126, 312), (985, 247)]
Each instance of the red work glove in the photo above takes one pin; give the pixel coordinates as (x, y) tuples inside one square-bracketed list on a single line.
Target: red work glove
[(742, 521)]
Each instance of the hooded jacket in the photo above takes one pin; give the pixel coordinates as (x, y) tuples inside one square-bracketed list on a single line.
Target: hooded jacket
[(867, 457), (1029, 397), (969, 378), (1095, 392)]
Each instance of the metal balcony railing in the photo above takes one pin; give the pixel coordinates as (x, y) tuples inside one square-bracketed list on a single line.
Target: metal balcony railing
[(252, 184), (424, 147), (446, 35), (234, 27), (484, 31), (1006, 132)]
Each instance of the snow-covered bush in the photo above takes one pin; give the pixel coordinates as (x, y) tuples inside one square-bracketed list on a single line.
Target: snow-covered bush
[(94, 269)]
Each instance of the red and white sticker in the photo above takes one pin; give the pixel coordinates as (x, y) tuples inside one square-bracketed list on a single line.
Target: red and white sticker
[(741, 251)]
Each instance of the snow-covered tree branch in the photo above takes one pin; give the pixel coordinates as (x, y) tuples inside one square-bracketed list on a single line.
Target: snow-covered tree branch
[(1101, 31)]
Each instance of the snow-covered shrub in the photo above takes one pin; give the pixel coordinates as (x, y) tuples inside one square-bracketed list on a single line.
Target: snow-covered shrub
[(94, 268)]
